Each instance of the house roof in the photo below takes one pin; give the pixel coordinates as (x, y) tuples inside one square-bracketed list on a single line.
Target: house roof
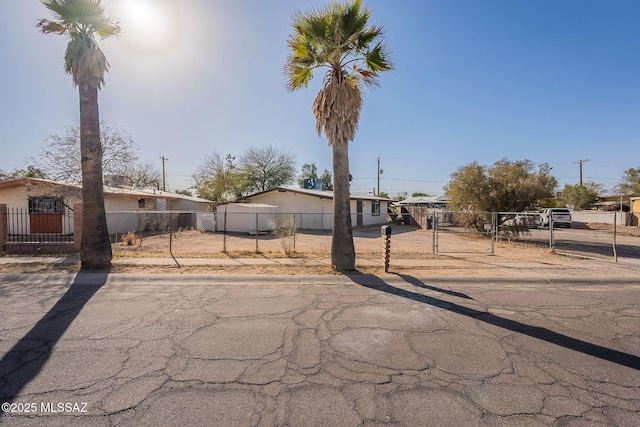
[(322, 194), (113, 191), (422, 200)]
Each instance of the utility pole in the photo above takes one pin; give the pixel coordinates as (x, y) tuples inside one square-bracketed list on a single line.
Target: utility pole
[(580, 162), (378, 175), (164, 177)]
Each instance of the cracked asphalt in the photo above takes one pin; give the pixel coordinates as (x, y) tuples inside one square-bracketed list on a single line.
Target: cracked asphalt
[(360, 350)]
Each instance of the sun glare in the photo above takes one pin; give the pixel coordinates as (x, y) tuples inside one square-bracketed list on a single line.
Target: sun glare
[(147, 23)]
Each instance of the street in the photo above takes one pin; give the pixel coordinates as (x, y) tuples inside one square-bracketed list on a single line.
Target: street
[(249, 350)]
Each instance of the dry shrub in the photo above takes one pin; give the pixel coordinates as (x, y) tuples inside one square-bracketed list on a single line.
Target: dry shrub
[(129, 238)]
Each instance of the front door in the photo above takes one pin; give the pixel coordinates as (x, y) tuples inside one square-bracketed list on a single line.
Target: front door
[(359, 219), (45, 215)]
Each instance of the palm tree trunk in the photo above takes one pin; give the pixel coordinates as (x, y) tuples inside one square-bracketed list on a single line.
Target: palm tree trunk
[(95, 248), (343, 255)]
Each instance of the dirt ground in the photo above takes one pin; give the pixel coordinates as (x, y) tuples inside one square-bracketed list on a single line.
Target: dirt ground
[(457, 251), (405, 241)]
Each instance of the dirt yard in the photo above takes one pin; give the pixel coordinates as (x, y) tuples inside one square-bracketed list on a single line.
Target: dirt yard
[(405, 241)]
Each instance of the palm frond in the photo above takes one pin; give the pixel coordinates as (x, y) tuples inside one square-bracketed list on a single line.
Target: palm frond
[(48, 27), (340, 38), (377, 59)]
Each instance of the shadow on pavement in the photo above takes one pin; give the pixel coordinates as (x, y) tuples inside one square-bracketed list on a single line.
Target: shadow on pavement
[(544, 334), (26, 359), (416, 282)]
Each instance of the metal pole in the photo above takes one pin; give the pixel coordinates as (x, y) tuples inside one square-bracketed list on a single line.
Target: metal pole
[(435, 228), (294, 232), (171, 240), (257, 250), (551, 241), (494, 231), (224, 232), (615, 229)]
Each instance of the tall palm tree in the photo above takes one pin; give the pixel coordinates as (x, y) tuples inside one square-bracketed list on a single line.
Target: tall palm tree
[(337, 38), (81, 21)]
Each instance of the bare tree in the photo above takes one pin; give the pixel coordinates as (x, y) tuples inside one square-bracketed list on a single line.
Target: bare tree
[(60, 159), (145, 174), (267, 167)]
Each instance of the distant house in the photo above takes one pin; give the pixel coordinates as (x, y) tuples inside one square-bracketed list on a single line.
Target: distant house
[(612, 203), (314, 208), (416, 211), (55, 199), (434, 202)]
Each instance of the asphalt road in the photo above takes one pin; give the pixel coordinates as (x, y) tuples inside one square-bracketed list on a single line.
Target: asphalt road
[(390, 350)]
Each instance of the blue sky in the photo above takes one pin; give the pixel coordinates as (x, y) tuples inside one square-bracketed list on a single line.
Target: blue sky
[(546, 80)]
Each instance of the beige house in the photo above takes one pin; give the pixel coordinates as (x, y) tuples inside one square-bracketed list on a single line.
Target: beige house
[(48, 204), (313, 209)]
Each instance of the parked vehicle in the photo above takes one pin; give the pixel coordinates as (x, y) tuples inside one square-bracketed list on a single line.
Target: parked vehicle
[(561, 217)]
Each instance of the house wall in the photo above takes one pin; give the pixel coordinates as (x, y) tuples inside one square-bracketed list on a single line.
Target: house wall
[(244, 217), (635, 211), (317, 213)]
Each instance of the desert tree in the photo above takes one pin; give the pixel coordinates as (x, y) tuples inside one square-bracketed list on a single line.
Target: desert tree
[(630, 184), (580, 197), (218, 178), (264, 167), (475, 190)]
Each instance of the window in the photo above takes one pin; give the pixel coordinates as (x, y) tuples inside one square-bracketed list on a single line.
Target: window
[(375, 208), (45, 205)]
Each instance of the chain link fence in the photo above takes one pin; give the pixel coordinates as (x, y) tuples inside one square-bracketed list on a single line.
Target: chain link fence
[(208, 234)]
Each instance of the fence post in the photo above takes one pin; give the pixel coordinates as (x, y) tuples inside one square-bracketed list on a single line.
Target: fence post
[(433, 232), (615, 229), (436, 221), (78, 212), (552, 243), (257, 224), (4, 229), (224, 233), (494, 231)]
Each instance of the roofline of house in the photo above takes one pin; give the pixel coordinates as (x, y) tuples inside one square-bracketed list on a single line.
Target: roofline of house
[(314, 193), (109, 191)]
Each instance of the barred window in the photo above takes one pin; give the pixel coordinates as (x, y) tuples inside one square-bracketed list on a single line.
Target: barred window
[(375, 207), (45, 205)]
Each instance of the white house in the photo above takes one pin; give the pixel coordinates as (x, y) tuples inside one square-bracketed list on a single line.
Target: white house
[(313, 209), (246, 217)]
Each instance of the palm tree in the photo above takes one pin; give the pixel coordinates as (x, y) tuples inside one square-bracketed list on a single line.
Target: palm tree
[(339, 38), (81, 21)]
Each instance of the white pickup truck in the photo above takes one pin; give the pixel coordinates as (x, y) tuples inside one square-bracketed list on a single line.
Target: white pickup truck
[(561, 217)]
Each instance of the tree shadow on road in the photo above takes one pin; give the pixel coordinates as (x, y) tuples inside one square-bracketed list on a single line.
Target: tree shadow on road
[(544, 334), (28, 356)]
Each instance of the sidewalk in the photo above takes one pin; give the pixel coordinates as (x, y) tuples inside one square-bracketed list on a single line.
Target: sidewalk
[(469, 264)]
